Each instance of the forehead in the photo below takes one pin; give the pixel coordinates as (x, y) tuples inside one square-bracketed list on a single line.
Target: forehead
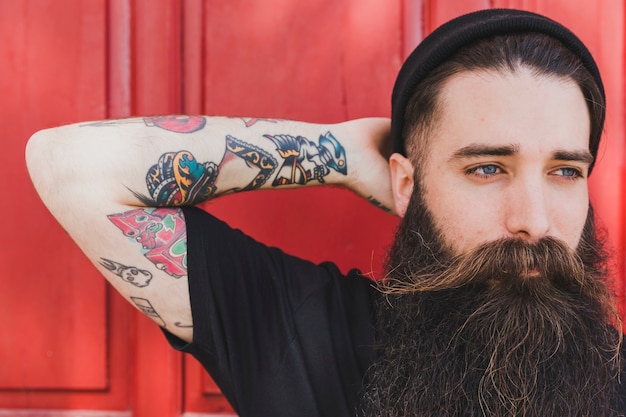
[(536, 113)]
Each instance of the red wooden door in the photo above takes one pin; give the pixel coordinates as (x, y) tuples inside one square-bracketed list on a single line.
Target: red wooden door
[(69, 342), (58, 320), (72, 344)]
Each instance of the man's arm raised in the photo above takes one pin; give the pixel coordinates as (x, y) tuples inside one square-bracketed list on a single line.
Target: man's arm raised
[(116, 187)]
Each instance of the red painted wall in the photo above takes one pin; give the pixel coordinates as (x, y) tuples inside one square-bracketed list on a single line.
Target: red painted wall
[(68, 341)]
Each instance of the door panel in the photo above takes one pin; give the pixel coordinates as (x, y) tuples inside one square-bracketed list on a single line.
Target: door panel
[(57, 343), (322, 61), (51, 296)]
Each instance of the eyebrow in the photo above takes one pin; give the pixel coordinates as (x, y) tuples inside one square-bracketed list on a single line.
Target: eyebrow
[(574, 156), (473, 151)]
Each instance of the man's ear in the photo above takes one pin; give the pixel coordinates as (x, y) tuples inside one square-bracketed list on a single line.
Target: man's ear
[(401, 170)]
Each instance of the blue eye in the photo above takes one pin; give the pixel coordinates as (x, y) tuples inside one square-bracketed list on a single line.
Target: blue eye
[(569, 172), (487, 170)]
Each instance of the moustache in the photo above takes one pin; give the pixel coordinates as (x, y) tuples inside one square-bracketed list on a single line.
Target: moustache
[(509, 263)]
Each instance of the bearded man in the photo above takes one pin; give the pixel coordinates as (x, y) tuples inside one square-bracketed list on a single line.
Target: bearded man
[(496, 300)]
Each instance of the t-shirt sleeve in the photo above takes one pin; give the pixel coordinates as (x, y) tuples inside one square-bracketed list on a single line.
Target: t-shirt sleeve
[(268, 322)]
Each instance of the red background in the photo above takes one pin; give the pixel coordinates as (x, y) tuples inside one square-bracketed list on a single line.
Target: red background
[(68, 342)]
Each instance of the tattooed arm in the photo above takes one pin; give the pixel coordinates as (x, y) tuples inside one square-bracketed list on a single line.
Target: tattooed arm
[(115, 187), (181, 160)]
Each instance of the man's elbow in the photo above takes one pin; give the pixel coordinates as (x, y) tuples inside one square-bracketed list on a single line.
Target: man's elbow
[(36, 149), (46, 163)]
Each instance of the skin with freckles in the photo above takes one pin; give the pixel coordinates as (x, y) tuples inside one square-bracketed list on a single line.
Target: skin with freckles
[(511, 160)]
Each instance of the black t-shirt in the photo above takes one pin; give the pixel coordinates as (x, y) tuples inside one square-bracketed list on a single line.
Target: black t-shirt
[(281, 336), (278, 334)]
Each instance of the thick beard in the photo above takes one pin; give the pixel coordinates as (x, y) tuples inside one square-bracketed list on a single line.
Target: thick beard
[(511, 329)]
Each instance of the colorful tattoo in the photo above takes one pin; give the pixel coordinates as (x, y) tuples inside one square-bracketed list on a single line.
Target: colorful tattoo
[(178, 179), (137, 277), (162, 235), (255, 157), (252, 121), (146, 308), (306, 161), (177, 124)]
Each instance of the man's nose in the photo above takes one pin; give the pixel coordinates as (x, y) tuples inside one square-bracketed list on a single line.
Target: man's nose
[(527, 210)]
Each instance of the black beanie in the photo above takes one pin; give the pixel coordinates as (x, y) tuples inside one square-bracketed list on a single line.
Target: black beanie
[(446, 40)]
